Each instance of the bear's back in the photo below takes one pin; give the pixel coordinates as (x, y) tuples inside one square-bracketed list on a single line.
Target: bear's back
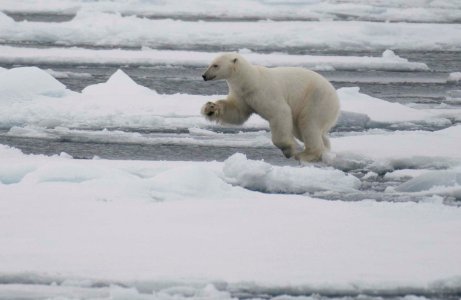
[(296, 82)]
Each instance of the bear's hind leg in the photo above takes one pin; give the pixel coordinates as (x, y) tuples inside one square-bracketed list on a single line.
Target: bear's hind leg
[(314, 146)]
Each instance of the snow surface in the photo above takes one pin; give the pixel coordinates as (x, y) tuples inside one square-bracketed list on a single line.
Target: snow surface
[(164, 221), (412, 11), (113, 29), (62, 56)]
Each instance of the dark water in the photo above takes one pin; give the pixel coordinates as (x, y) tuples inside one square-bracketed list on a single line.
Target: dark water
[(90, 150)]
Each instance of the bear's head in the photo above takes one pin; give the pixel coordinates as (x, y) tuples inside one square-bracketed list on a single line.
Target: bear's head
[(222, 67)]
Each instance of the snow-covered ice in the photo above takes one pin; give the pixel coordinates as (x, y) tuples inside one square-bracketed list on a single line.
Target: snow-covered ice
[(62, 56), (115, 30), (131, 222)]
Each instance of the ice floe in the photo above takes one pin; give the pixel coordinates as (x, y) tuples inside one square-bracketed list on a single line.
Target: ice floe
[(115, 30), (145, 57)]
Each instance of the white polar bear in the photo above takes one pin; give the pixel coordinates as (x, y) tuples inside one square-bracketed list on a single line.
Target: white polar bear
[(296, 102)]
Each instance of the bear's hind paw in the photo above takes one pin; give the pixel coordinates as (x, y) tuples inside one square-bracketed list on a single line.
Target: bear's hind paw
[(308, 157)]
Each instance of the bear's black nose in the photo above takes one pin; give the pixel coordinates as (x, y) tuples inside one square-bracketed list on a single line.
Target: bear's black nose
[(204, 77)]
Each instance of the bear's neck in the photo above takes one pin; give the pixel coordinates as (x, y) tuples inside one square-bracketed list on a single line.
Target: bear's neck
[(244, 81)]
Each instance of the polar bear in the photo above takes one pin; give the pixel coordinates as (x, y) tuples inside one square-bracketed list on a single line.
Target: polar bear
[(297, 103)]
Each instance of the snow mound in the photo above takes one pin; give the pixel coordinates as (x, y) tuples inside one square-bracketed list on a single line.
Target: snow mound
[(26, 83), (119, 83), (6, 20), (261, 176)]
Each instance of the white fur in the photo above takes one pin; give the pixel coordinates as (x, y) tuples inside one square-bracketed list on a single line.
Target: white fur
[(297, 103)]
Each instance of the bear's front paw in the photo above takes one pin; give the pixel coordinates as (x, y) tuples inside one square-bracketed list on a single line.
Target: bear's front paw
[(210, 110)]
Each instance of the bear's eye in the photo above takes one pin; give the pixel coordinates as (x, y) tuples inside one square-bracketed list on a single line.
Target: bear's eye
[(215, 66)]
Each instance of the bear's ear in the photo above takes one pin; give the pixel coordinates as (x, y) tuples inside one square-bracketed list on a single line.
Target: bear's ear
[(234, 60)]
